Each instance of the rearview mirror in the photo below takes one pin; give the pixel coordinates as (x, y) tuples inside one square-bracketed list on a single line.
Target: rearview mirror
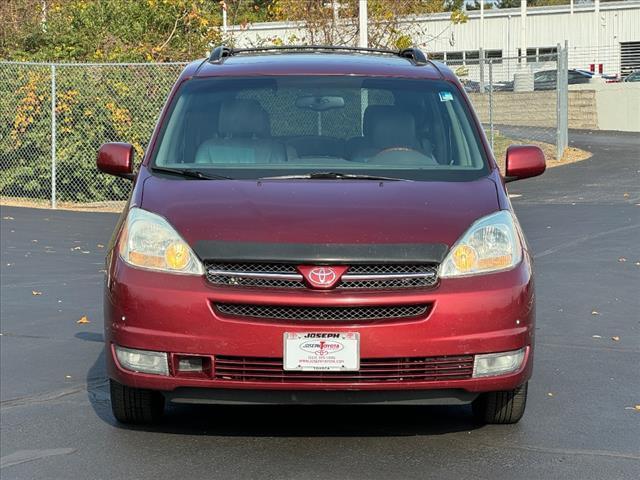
[(320, 103), (524, 161), (116, 159)]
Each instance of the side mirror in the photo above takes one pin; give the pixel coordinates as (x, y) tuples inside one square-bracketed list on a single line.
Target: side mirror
[(524, 161), (116, 159)]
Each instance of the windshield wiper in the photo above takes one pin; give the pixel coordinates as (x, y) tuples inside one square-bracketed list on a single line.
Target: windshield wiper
[(335, 176), (187, 172)]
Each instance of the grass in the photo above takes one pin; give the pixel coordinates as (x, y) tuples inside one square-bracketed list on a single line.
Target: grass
[(571, 154)]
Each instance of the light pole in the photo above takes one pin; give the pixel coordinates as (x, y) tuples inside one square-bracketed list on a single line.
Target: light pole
[(596, 67), (223, 4), (523, 33), (482, 24), (363, 40)]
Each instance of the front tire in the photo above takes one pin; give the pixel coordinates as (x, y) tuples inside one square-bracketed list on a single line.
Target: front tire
[(503, 407), (135, 406)]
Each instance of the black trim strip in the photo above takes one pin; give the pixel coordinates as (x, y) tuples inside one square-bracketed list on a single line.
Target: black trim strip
[(314, 397), (334, 253)]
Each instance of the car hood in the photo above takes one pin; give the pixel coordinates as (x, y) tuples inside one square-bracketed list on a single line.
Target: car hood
[(320, 211)]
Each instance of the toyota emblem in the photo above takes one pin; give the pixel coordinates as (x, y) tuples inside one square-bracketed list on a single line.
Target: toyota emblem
[(322, 276)]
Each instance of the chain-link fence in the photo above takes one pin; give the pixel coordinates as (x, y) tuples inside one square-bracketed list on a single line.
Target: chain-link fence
[(518, 99), (54, 117)]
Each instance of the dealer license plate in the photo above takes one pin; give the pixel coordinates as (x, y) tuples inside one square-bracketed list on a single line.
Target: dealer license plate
[(322, 351)]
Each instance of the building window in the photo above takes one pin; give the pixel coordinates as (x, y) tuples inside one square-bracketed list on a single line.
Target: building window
[(547, 54), (540, 54), (453, 57), (494, 55), (471, 57)]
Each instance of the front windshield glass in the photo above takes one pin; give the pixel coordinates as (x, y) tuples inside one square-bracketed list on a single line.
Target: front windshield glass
[(249, 128)]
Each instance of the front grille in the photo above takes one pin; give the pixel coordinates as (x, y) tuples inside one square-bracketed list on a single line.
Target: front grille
[(286, 312), (254, 282), (377, 370), (389, 269), (254, 267), (364, 276)]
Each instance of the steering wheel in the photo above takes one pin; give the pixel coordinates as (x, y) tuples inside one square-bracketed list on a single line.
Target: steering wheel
[(396, 149)]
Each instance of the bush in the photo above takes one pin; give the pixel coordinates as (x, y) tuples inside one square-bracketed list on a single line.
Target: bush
[(94, 104)]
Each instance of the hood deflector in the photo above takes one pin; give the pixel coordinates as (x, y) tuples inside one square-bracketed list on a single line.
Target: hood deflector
[(321, 253)]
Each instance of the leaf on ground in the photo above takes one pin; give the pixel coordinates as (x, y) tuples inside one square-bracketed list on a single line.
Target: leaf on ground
[(637, 407), (615, 339), (35, 293), (84, 319), (625, 195)]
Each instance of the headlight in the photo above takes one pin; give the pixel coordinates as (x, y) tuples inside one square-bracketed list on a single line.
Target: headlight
[(148, 241), (490, 245)]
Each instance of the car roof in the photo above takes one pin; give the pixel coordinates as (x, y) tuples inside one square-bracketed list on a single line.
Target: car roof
[(318, 63)]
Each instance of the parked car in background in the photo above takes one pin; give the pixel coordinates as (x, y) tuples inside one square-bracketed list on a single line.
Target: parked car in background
[(633, 77), (471, 86), (548, 79), (319, 225)]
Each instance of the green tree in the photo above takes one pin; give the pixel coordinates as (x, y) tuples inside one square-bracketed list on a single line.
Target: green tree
[(108, 30)]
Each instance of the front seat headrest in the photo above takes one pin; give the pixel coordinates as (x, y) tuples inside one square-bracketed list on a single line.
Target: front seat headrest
[(243, 118), (371, 112), (393, 127)]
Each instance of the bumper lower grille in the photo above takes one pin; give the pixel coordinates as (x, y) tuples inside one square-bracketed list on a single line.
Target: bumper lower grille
[(286, 312), (364, 276), (424, 369)]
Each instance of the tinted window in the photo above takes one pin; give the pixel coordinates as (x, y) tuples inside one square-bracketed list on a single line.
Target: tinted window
[(255, 127)]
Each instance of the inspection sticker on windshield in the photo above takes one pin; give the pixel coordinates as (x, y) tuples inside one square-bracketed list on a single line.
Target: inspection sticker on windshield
[(446, 96), (322, 351)]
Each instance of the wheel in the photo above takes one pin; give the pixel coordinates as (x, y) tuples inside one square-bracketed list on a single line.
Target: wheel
[(501, 407), (135, 405)]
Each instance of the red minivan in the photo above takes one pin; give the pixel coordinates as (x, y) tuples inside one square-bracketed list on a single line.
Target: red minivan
[(319, 225)]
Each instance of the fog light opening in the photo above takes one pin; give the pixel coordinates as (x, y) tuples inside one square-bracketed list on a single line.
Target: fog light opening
[(191, 364), (502, 363), (142, 361)]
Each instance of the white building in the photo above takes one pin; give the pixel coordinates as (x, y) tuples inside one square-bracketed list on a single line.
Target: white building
[(600, 35)]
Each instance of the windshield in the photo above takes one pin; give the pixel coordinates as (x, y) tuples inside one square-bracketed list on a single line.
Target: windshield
[(250, 128)]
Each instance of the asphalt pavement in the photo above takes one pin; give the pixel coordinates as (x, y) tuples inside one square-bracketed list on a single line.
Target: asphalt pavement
[(583, 223)]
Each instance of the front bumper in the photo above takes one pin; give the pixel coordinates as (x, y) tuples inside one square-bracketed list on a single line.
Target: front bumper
[(468, 316)]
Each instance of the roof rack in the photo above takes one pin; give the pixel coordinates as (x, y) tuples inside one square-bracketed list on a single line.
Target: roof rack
[(221, 52)]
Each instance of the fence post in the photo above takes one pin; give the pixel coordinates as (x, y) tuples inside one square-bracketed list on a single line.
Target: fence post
[(481, 67), (53, 136), (491, 103), (559, 80), (562, 100), (565, 96)]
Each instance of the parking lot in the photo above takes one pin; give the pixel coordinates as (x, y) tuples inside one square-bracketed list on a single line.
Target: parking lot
[(583, 416)]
